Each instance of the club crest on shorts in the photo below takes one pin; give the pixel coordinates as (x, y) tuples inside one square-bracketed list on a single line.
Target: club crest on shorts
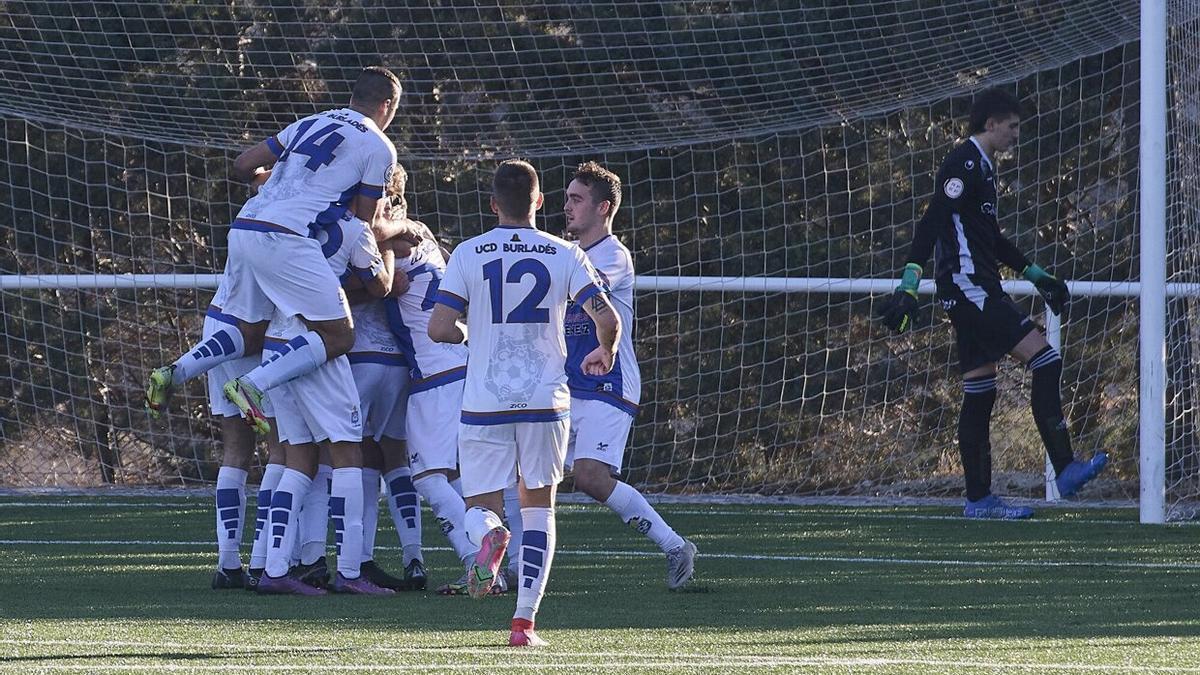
[(953, 188)]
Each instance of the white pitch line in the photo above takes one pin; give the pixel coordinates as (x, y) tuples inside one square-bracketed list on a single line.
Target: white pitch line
[(104, 505), (850, 512), (1117, 564), (665, 660), (621, 666)]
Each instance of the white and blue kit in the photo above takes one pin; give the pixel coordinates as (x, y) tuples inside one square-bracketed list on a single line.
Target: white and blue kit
[(275, 260), (323, 405), (437, 370), (603, 406), (214, 320), (516, 404), (381, 372)]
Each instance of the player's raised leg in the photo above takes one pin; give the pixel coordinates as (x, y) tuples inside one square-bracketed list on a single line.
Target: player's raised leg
[(1045, 399)]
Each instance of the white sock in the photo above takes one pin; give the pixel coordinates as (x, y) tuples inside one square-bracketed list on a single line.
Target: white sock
[(285, 502), (537, 552), (512, 519), (632, 507), (346, 508), (313, 531), (449, 509), (231, 514), (478, 521), (302, 354), (370, 488), (270, 479), (223, 345), (405, 508)]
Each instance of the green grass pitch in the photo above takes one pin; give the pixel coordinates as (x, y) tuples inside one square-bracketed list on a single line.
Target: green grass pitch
[(120, 585)]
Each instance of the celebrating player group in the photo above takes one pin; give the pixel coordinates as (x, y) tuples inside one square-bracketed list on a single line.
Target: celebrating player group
[(337, 332)]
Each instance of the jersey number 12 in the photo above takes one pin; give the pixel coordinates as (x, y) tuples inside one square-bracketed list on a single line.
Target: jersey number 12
[(527, 311)]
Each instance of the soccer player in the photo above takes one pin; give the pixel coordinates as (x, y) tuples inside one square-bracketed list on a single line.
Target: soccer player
[(319, 166), (603, 406), (435, 395), (381, 374), (516, 405), (960, 227), (323, 407)]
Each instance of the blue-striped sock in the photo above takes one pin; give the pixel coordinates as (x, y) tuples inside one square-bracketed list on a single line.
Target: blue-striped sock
[(299, 356), (231, 515), (223, 345), (285, 502), (346, 509), (270, 479), (405, 507), (537, 552)]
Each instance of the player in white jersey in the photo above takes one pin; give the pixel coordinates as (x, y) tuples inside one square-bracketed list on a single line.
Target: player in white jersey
[(435, 396), (322, 407), (317, 167), (603, 407), (381, 374), (516, 405)]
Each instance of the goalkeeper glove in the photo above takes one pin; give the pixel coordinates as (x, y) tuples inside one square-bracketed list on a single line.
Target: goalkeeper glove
[(900, 309), (1052, 289)]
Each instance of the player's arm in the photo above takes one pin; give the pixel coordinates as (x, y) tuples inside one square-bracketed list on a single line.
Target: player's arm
[(407, 230), (381, 284), (372, 268), (1052, 289), (443, 325), (397, 249), (586, 285), (254, 163), (900, 309), (452, 298)]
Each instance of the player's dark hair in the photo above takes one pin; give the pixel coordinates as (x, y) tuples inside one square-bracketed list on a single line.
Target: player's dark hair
[(375, 85), (994, 103), (514, 188), (603, 184)]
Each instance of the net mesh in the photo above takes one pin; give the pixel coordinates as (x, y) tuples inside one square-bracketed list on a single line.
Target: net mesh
[(755, 139)]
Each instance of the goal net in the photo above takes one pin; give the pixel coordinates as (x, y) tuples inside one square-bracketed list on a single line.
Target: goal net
[(773, 147)]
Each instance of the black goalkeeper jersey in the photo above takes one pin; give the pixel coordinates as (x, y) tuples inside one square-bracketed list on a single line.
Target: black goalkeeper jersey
[(960, 223)]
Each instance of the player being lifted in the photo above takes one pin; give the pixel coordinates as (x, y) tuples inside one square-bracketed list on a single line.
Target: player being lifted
[(603, 406), (319, 166), (516, 404), (321, 163), (960, 227)]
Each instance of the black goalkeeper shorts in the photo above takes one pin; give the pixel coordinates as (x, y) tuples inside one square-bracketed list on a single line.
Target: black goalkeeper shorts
[(987, 323)]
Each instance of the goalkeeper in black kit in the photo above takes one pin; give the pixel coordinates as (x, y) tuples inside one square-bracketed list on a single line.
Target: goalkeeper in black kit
[(960, 228)]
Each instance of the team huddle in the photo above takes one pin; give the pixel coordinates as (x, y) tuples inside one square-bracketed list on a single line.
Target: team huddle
[(337, 330)]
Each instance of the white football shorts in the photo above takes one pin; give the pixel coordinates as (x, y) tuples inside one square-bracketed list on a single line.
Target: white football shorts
[(224, 372), (491, 455), (599, 431), (433, 420), (319, 406), (383, 399), (269, 271)]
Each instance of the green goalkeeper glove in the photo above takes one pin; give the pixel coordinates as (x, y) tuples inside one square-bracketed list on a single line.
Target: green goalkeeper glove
[(900, 309), (1052, 289)]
